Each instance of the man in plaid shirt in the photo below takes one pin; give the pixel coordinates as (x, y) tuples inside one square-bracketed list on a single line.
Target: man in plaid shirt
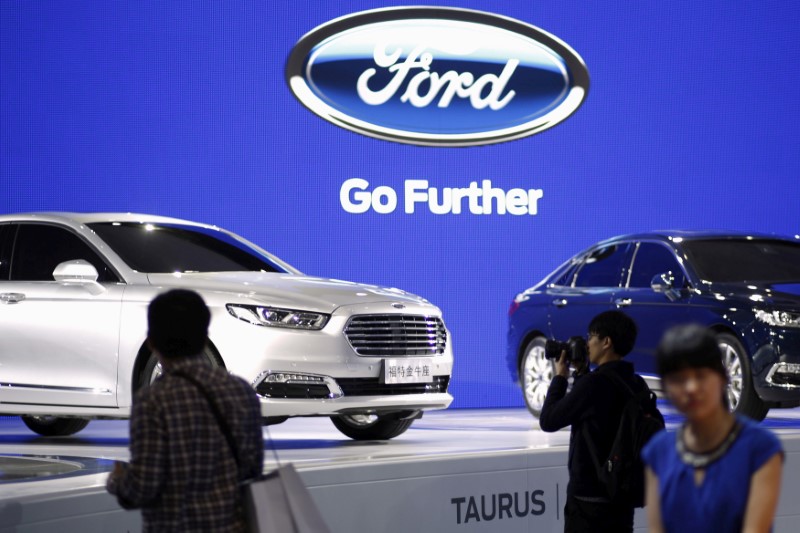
[(182, 471)]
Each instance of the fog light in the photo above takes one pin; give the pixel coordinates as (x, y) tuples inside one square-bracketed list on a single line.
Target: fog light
[(286, 378), (290, 385), (787, 368)]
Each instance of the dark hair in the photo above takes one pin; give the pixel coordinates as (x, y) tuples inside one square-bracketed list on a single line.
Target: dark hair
[(619, 327), (178, 323), (689, 346)]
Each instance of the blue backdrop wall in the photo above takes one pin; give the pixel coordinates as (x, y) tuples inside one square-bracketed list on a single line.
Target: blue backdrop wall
[(181, 108)]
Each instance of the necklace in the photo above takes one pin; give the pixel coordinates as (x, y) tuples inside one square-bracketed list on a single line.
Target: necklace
[(702, 460)]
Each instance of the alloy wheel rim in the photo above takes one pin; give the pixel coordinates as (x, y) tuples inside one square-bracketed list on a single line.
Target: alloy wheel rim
[(44, 419), (361, 420), (537, 375), (733, 365)]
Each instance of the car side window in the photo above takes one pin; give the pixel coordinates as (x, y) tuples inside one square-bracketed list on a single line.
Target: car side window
[(39, 248), (652, 259), (6, 240), (603, 267), (565, 278)]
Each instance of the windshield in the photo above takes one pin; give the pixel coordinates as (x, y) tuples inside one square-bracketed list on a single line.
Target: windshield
[(168, 248), (739, 260)]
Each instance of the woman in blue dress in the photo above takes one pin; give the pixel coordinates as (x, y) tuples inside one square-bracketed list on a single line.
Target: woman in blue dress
[(719, 472)]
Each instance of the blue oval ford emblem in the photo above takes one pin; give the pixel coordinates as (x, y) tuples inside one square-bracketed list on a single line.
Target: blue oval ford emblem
[(437, 76)]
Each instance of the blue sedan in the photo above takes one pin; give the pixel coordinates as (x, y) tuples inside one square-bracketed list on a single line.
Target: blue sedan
[(744, 287)]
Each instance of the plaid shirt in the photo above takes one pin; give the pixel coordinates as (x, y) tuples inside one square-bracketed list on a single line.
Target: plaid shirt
[(182, 473)]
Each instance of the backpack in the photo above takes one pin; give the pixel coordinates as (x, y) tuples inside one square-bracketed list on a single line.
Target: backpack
[(622, 472)]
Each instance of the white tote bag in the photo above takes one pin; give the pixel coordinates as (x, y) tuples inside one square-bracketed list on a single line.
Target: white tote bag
[(279, 502)]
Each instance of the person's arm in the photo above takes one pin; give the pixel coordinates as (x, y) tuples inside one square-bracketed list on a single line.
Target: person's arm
[(139, 482), (251, 451), (653, 502), (561, 409), (762, 499)]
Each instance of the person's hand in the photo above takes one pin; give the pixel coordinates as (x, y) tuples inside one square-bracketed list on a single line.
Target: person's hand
[(581, 368), (118, 470), (562, 365), (114, 477)]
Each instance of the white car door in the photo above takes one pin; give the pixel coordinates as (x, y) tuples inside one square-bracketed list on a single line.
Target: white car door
[(58, 338)]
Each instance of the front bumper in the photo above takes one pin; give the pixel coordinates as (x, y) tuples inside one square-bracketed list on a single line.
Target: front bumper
[(274, 407), (312, 395), (318, 373), (776, 368)]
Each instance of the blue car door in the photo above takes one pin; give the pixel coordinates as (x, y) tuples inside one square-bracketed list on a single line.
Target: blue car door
[(654, 312)]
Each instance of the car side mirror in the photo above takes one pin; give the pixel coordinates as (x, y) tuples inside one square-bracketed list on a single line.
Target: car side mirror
[(76, 270), (663, 282)]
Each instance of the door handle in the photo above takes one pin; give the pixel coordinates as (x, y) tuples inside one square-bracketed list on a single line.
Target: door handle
[(623, 302), (560, 302), (11, 297)]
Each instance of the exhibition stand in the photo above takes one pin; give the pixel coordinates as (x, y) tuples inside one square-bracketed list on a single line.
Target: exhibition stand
[(488, 470)]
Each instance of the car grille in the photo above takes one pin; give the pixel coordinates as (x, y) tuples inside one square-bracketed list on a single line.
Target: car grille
[(373, 387), (396, 335)]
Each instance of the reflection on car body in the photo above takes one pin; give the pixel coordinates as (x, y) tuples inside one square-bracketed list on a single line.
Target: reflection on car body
[(74, 291), (744, 287)]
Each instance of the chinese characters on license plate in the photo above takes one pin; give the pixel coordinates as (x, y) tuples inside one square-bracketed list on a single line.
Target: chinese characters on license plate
[(407, 370)]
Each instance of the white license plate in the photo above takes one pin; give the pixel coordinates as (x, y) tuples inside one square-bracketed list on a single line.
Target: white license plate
[(407, 370)]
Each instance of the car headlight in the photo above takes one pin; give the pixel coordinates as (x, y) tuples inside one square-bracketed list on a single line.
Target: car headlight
[(276, 317), (782, 319)]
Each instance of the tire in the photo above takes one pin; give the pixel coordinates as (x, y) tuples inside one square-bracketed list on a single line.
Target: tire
[(535, 375), (742, 396), (54, 426), (371, 427), (152, 368)]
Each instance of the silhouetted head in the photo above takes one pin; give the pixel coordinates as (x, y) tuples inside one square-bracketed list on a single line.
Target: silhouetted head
[(178, 323)]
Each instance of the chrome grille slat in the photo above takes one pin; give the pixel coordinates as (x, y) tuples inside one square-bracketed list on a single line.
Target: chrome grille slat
[(392, 338), (386, 324), (389, 343), (396, 335)]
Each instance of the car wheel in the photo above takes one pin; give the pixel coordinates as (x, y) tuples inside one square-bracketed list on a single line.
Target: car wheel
[(152, 368), (371, 427), (54, 426), (742, 396), (536, 373)]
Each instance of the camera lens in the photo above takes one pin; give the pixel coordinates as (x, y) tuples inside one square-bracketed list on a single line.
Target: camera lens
[(553, 349)]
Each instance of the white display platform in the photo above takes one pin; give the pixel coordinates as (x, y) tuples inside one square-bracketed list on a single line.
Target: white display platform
[(454, 471)]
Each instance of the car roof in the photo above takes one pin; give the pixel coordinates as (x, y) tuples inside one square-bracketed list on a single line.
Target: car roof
[(89, 218), (673, 235), (76, 220)]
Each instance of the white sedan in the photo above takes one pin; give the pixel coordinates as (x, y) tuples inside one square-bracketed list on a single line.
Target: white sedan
[(74, 291)]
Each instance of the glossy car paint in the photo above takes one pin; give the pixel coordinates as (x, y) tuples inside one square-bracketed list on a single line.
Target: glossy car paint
[(554, 310), (76, 347)]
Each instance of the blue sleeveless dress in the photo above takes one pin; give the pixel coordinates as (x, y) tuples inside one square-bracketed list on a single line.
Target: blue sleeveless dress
[(719, 503)]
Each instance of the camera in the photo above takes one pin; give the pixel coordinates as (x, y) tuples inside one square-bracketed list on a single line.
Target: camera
[(574, 346)]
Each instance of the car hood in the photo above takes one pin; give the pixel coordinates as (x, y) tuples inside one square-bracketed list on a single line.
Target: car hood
[(778, 294), (284, 290)]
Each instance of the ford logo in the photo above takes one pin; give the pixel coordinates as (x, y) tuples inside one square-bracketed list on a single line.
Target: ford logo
[(437, 76)]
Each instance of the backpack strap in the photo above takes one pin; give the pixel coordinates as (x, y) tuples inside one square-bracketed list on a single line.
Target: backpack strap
[(592, 448)]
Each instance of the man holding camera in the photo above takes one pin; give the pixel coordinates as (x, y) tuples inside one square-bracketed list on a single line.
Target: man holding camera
[(594, 409)]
